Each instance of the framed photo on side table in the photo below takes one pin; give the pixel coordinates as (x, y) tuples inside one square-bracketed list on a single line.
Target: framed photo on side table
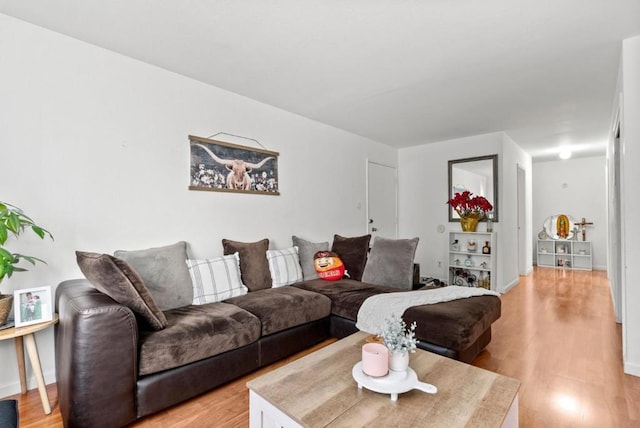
[(32, 306)]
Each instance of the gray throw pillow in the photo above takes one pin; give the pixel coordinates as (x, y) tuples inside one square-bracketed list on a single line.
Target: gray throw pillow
[(254, 267), (165, 272), (306, 251), (118, 280), (390, 262)]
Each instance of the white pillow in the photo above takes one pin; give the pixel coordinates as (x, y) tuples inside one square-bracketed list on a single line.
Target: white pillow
[(216, 279), (284, 266)]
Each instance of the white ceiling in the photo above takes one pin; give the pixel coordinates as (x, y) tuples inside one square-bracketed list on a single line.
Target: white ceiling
[(397, 71)]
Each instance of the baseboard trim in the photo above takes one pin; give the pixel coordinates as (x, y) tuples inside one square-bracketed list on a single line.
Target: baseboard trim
[(14, 387), (510, 285), (632, 369)]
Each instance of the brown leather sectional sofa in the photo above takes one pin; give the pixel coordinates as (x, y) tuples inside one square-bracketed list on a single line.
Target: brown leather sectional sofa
[(111, 371)]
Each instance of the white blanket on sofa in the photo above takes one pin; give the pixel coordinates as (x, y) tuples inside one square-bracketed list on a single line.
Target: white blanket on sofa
[(377, 308)]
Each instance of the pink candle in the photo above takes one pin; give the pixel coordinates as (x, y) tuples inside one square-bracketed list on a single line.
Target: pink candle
[(375, 359)]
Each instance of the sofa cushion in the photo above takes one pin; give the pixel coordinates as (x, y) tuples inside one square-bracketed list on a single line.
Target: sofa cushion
[(353, 252), (165, 272), (455, 324), (284, 266), (254, 267), (194, 333), (284, 307), (118, 280), (306, 251), (346, 295), (216, 279), (390, 262)]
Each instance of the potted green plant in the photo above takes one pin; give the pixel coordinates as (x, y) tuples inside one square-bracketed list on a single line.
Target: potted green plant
[(13, 222)]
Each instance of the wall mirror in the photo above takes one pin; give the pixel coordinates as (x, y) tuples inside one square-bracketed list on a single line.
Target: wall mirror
[(478, 175)]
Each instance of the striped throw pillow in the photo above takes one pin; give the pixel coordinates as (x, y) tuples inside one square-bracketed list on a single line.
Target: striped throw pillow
[(216, 279), (284, 266)]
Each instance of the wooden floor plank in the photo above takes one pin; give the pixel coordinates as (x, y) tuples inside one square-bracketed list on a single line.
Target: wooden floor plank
[(557, 335)]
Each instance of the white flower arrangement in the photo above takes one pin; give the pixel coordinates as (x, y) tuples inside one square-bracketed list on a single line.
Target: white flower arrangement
[(396, 335)]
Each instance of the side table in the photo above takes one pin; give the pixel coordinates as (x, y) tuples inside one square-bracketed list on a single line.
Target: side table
[(27, 334)]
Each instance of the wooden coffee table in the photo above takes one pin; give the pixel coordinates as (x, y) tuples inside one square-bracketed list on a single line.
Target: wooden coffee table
[(318, 390)]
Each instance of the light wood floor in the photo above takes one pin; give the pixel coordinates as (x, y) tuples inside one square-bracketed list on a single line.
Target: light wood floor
[(557, 335)]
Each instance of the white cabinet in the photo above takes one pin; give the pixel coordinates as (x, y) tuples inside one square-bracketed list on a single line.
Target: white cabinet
[(472, 265), (564, 254)]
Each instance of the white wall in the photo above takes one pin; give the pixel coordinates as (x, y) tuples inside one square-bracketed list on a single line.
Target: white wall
[(513, 157), (576, 187), (630, 198), (95, 148), (423, 184)]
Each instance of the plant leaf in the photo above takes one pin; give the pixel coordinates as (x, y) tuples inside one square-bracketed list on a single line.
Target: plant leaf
[(5, 255), (38, 231), (3, 234), (13, 223), (30, 259)]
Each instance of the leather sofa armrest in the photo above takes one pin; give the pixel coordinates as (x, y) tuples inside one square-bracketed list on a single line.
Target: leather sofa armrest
[(96, 347)]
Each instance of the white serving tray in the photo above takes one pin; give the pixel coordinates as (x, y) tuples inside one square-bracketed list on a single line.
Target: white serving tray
[(394, 383)]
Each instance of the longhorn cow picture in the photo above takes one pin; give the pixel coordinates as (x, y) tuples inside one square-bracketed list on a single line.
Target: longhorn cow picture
[(226, 167)]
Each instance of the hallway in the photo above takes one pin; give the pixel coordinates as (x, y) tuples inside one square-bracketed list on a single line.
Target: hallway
[(558, 336)]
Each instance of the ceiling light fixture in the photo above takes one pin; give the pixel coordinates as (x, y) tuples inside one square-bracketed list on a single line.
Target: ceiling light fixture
[(565, 154)]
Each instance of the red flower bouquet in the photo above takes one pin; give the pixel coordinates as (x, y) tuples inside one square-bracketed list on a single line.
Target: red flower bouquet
[(467, 205)]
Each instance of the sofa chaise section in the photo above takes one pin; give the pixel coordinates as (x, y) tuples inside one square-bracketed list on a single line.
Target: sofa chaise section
[(459, 329)]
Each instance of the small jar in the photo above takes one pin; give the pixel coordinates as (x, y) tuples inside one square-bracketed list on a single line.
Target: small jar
[(490, 222)]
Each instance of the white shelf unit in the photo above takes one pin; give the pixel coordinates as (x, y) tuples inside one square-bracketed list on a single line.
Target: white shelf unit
[(482, 272), (561, 254)]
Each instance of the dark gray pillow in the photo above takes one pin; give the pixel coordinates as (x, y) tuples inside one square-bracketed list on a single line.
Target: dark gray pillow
[(118, 280), (306, 251), (165, 272), (390, 262), (353, 252), (254, 266)]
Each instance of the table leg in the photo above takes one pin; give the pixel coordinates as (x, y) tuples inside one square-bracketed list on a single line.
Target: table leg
[(21, 369), (32, 351)]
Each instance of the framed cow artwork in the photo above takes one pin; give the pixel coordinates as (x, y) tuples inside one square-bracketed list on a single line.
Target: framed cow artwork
[(225, 167)]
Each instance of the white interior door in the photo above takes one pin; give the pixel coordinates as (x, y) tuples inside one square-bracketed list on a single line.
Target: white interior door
[(522, 222), (382, 200)]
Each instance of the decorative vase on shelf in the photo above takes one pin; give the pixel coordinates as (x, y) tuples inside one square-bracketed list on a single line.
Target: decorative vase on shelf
[(6, 301), (398, 361), (469, 223), (468, 262), (490, 221)]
